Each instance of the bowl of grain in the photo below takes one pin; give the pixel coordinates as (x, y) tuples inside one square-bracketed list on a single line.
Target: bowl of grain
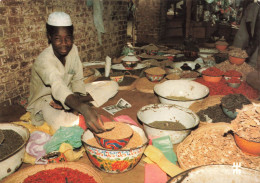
[(116, 138), (167, 119), (116, 161), (180, 92), (12, 147), (155, 74)]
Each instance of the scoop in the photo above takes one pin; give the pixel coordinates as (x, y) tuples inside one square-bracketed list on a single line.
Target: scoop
[(2, 137)]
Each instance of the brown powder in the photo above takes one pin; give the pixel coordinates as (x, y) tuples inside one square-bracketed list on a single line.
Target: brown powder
[(135, 141), (120, 131), (155, 71)]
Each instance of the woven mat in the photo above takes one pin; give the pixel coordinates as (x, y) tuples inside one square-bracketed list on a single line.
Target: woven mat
[(212, 144), (19, 176)]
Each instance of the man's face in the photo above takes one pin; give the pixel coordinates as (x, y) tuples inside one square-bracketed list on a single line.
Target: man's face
[(62, 41)]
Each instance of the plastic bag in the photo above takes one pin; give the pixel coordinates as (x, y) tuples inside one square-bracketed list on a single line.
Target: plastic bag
[(71, 135), (165, 145)]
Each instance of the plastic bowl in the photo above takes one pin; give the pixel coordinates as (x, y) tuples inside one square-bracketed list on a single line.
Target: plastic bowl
[(213, 79), (248, 147), (114, 143), (236, 60), (13, 161), (234, 85), (115, 161), (221, 47), (192, 91), (129, 64), (154, 78), (167, 112), (118, 78), (229, 113)]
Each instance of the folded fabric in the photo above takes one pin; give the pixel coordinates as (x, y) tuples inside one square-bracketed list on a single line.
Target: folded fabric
[(164, 144), (35, 144), (157, 157), (71, 155), (71, 135), (153, 174), (101, 91), (126, 119)]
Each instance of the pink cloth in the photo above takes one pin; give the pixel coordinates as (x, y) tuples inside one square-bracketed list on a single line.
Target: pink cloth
[(126, 119), (153, 174)]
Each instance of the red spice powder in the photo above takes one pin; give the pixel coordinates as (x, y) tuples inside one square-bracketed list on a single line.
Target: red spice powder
[(213, 71), (221, 88), (60, 175), (234, 80), (232, 73)]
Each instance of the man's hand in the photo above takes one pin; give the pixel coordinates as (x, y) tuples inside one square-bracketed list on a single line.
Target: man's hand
[(92, 120)]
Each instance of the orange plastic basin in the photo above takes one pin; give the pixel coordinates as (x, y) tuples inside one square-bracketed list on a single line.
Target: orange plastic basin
[(221, 47), (213, 79), (236, 60), (248, 147)]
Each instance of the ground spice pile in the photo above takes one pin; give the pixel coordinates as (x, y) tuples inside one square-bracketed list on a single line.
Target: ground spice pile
[(12, 141), (244, 68), (213, 144), (119, 131), (167, 125), (247, 123), (221, 88), (59, 175), (213, 114), (155, 71), (234, 101), (213, 71)]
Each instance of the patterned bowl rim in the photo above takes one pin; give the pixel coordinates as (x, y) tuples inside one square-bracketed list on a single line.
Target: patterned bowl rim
[(134, 148)]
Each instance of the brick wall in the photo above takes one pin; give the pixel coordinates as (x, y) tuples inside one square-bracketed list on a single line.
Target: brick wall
[(23, 37), (150, 20)]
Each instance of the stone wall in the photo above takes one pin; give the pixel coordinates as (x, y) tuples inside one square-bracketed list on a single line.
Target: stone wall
[(23, 37), (150, 20)]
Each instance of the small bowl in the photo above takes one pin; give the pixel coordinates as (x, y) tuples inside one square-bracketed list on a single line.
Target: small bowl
[(213, 79), (129, 65), (117, 77), (248, 147), (229, 113), (192, 91), (167, 112), (115, 161), (236, 60), (234, 85), (114, 143), (154, 78), (13, 161), (221, 47)]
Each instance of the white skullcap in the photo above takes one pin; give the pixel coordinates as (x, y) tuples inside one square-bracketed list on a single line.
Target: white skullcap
[(59, 19)]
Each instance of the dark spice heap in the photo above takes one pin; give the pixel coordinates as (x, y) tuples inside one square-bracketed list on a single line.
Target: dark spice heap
[(12, 141), (167, 125), (221, 88), (213, 71), (234, 101), (59, 175), (215, 113)]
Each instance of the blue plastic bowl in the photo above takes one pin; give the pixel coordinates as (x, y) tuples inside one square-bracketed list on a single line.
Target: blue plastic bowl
[(229, 113)]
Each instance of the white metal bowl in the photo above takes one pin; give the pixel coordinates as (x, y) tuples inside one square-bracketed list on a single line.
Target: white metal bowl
[(191, 90), (168, 112), (12, 162), (218, 173), (115, 161)]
